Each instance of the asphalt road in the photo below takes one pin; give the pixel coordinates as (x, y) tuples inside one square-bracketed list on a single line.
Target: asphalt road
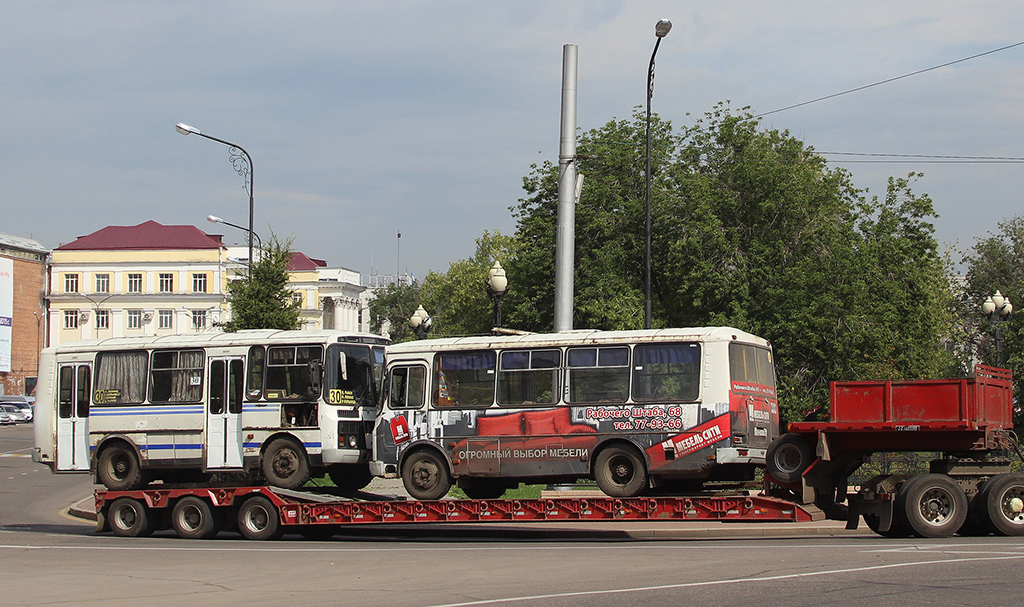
[(48, 558)]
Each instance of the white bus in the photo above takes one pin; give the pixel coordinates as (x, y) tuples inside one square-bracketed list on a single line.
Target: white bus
[(278, 406), (631, 409)]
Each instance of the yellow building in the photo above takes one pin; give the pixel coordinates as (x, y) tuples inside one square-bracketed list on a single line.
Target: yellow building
[(152, 279)]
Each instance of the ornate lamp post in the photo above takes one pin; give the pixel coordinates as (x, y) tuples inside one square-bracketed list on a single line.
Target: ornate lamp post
[(420, 322), (997, 308), (497, 285), (215, 219), (661, 29), (242, 163)]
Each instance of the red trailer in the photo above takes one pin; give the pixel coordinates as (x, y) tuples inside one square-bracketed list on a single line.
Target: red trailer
[(969, 487)]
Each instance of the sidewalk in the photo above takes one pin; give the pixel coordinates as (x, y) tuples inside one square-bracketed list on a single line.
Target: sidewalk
[(595, 530)]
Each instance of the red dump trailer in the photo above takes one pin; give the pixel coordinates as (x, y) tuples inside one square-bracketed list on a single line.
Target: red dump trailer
[(969, 487)]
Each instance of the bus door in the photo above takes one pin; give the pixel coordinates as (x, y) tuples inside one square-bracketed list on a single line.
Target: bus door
[(73, 416), (224, 413)]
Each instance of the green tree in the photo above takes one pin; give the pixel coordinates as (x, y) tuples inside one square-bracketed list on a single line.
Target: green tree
[(261, 299), (751, 229), (394, 305)]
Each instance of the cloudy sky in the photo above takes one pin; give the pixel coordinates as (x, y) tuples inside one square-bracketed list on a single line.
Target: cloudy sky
[(369, 118)]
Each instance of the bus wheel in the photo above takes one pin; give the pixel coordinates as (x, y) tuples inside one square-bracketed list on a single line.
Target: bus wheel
[(425, 476), (119, 469), (933, 505), (1001, 504), (194, 518), (620, 472), (477, 488), (788, 457), (130, 518), (350, 477), (258, 519), (285, 464)]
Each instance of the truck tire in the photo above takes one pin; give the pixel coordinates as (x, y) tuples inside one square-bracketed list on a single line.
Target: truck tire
[(350, 477), (129, 517), (119, 469), (285, 464), (932, 505), (193, 518), (258, 519), (425, 475), (1001, 504), (620, 472), (897, 528), (788, 457), (477, 488)]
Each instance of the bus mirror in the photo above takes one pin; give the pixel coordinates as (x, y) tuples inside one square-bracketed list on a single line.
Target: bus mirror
[(315, 373)]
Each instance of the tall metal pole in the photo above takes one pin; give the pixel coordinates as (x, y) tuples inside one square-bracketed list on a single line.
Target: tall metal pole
[(565, 244), (660, 31)]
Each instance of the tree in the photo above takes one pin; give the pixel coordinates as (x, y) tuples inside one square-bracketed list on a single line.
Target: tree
[(261, 299), (394, 305), (751, 229)]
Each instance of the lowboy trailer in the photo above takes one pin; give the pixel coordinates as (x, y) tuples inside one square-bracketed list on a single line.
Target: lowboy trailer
[(969, 489)]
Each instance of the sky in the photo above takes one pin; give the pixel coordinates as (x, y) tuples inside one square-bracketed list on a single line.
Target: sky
[(366, 119)]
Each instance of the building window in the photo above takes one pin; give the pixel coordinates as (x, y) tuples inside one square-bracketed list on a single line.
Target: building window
[(103, 283), (102, 319), (165, 319), (198, 319), (70, 319), (199, 283), (134, 319), (71, 283), (135, 283), (166, 283)]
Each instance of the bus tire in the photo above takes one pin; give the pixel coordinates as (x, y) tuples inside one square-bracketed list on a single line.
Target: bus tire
[(788, 457), (259, 519), (1001, 504), (285, 464), (932, 505), (350, 477), (620, 472), (129, 517), (193, 518), (477, 488), (119, 469), (425, 475)]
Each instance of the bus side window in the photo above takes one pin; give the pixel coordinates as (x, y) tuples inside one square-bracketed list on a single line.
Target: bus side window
[(466, 378), (84, 390), (407, 387), (257, 367), (65, 396)]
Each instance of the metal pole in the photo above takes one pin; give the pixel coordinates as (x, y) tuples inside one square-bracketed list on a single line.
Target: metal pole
[(565, 235), (647, 205)]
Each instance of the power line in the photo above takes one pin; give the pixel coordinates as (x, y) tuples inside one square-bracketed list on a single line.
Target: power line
[(867, 86)]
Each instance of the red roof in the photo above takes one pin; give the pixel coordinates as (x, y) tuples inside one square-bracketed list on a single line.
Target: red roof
[(300, 262), (145, 236)]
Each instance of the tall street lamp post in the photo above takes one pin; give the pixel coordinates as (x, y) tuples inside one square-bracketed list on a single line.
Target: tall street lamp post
[(997, 308), (242, 163), (420, 322), (215, 219), (497, 285), (660, 31)]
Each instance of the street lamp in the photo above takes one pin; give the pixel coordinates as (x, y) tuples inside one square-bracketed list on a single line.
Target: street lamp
[(242, 163), (661, 29), (420, 322), (215, 219), (997, 308), (497, 284)]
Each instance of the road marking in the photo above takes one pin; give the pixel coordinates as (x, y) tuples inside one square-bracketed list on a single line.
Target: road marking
[(15, 455)]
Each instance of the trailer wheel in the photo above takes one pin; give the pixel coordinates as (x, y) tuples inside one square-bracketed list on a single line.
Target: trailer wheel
[(258, 519), (129, 517), (933, 505), (193, 518), (350, 477), (285, 464), (897, 528), (788, 457), (620, 472), (119, 469), (477, 488), (1001, 504), (425, 475)]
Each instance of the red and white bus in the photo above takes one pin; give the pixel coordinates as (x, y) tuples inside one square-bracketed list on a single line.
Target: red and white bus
[(631, 409)]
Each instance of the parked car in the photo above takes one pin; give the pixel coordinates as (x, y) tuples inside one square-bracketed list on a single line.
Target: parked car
[(14, 412), (25, 404), (5, 419)]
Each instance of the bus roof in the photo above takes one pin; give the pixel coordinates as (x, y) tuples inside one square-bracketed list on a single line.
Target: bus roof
[(579, 337), (199, 340)]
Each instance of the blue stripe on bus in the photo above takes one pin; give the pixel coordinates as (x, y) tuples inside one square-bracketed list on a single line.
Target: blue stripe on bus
[(152, 447)]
